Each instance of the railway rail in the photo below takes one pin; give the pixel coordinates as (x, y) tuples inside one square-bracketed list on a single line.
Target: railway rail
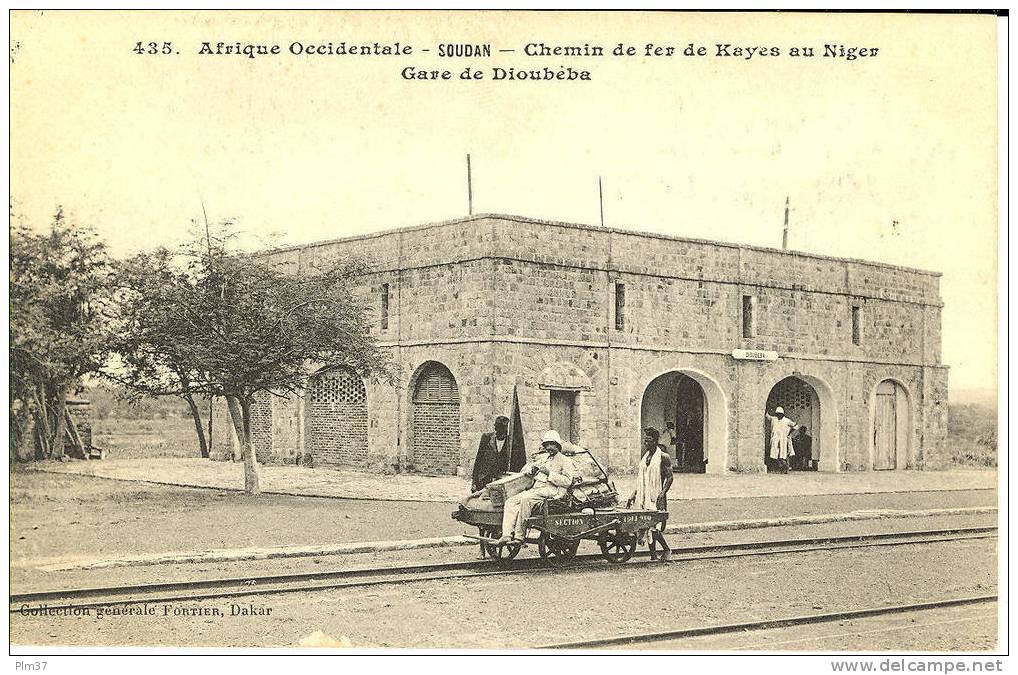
[(624, 641), (83, 598)]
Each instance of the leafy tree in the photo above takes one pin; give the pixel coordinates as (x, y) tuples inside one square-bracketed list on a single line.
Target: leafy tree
[(60, 331), (214, 322), (154, 357)]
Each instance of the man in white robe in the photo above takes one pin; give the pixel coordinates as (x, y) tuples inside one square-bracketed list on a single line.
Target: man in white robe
[(781, 444), (553, 473), (653, 479)]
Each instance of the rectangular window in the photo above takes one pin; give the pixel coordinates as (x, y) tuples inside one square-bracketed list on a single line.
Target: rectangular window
[(856, 325), (385, 306), (620, 305), (748, 316)]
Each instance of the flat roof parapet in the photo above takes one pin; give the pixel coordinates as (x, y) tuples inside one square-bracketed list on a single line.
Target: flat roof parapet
[(594, 228)]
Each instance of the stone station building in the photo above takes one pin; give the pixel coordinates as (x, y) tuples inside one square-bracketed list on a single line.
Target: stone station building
[(604, 332)]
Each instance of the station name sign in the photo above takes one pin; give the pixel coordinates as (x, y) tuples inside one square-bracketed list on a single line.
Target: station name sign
[(754, 355)]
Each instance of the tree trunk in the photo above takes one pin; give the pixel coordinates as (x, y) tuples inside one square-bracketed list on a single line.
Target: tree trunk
[(210, 436), (60, 425), (198, 427), (72, 431), (250, 459), (22, 436), (237, 417), (41, 427)]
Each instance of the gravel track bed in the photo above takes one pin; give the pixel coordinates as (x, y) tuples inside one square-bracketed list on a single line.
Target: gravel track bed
[(515, 612)]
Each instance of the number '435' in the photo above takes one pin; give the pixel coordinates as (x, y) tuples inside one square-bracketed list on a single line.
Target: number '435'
[(153, 48)]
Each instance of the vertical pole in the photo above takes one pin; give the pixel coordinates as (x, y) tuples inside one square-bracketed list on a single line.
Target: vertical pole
[(210, 425), (600, 199), (470, 189), (784, 237)]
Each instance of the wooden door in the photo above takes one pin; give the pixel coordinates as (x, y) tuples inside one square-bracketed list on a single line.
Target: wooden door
[(562, 405), (885, 427)]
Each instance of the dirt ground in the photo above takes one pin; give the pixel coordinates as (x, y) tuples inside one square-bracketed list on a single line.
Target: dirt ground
[(331, 482), (556, 606), (56, 515), (965, 628)]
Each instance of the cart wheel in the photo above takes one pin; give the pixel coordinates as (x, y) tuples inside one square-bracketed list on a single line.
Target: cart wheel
[(498, 553), (617, 546), (555, 549)]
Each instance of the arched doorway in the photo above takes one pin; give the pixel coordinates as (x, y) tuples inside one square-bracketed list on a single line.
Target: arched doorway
[(435, 421), (694, 406), (891, 426), (336, 414), (801, 404)]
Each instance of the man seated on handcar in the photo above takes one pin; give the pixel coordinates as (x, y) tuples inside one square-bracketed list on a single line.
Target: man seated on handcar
[(552, 472)]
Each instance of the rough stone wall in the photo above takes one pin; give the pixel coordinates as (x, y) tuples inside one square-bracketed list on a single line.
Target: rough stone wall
[(933, 419), (688, 294), (287, 434), (533, 370), (549, 302), (445, 302), (385, 411), (261, 427), (505, 276), (932, 335), (675, 313), (222, 442), (503, 301)]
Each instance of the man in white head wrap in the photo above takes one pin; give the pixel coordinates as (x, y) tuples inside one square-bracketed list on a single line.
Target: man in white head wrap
[(553, 472), (781, 428)]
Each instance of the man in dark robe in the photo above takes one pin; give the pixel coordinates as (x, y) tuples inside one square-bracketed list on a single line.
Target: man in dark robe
[(492, 455)]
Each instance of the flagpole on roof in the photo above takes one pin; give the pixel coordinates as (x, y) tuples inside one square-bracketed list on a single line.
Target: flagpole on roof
[(470, 189), (784, 236), (600, 199)]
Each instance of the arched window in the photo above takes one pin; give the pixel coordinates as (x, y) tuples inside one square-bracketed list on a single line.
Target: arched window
[(436, 385)]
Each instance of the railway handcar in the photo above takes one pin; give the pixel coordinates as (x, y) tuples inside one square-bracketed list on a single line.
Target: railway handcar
[(588, 511)]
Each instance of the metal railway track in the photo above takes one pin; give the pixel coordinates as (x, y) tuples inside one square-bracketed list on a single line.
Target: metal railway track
[(624, 641), (82, 598)]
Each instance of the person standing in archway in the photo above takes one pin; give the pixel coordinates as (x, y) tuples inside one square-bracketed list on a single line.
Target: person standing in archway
[(803, 444), (653, 479), (781, 444)]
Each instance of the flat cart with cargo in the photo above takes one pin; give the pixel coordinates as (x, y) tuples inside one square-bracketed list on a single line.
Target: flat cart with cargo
[(589, 510)]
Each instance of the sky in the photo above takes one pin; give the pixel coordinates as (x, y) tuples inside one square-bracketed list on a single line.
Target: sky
[(890, 158)]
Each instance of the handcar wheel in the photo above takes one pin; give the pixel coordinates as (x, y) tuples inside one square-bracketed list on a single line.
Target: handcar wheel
[(617, 546), (487, 532), (506, 552), (556, 549), (497, 552)]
